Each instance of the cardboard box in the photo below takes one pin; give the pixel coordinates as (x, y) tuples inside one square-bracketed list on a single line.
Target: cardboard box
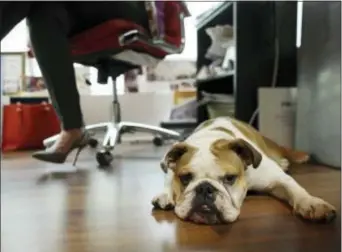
[(277, 114)]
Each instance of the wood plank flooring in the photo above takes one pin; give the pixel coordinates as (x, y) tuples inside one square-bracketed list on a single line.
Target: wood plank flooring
[(98, 211)]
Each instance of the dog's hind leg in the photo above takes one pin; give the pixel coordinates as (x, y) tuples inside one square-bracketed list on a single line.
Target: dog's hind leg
[(293, 156), (283, 156)]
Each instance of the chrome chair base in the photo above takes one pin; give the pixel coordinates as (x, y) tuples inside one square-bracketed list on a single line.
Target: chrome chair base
[(112, 137), (115, 129), (113, 132)]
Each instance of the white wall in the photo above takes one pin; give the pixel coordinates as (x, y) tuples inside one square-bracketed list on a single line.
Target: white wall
[(150, 108)]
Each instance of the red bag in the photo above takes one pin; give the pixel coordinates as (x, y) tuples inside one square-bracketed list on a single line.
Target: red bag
[(25, 126)]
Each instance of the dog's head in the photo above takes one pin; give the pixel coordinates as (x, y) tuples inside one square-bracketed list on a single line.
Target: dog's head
[(209, 183)]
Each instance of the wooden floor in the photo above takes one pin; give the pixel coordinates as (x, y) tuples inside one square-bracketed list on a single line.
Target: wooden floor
[(99, 211)]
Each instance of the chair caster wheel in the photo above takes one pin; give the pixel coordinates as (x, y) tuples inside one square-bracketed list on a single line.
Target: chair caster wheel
[(93, 143), (158, 141), (104, 158)]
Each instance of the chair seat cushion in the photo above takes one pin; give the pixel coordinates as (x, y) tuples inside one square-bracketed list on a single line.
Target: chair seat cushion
[(106, 37), (101, 42)]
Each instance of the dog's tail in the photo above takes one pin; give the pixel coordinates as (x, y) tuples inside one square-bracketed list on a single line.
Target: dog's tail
[(294, 156)]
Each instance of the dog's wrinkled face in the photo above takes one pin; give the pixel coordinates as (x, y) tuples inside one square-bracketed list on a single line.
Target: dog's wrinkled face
[(209, 182)]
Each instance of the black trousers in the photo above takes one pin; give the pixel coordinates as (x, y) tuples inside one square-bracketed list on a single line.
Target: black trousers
[(50, 25)]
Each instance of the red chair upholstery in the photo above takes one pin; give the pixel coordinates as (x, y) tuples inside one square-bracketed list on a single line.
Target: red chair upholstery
[(106, 36), (114, 36), (117, 46)]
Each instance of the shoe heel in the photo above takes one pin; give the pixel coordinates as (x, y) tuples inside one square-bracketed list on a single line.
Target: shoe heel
[(78, 153)]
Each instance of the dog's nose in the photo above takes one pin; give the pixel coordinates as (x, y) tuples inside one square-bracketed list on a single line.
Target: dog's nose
[(205, 189)]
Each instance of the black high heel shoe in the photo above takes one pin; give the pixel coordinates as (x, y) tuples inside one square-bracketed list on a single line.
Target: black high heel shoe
[(53, 156)]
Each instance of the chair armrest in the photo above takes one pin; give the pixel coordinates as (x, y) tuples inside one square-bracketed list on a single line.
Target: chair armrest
[(166, 23)]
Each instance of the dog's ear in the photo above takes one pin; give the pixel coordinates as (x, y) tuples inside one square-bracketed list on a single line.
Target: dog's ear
[(175, 154), (242, 148)]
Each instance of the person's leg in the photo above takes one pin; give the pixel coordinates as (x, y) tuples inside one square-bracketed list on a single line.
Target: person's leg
[(49, 25), (50, 28), (11, 13)]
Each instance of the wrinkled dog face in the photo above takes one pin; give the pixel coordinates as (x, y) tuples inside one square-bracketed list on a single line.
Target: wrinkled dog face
[(208, 182)]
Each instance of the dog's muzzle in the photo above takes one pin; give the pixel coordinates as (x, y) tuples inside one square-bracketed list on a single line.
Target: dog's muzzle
[(203, 209)]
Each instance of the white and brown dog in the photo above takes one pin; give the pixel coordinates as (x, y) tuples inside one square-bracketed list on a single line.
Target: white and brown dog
[(209, 174)]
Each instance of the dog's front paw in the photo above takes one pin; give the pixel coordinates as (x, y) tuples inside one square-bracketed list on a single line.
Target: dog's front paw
[(284, 163), (315, 209), (163, 201)]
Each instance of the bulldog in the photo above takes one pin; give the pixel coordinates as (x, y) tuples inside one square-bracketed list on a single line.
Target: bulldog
[(208, 174)]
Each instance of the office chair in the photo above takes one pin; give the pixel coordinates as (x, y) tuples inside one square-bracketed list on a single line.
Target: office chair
[(117, 46)]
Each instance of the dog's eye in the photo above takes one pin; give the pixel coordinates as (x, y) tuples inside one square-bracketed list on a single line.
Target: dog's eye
[(229, 179), (185, 178)]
